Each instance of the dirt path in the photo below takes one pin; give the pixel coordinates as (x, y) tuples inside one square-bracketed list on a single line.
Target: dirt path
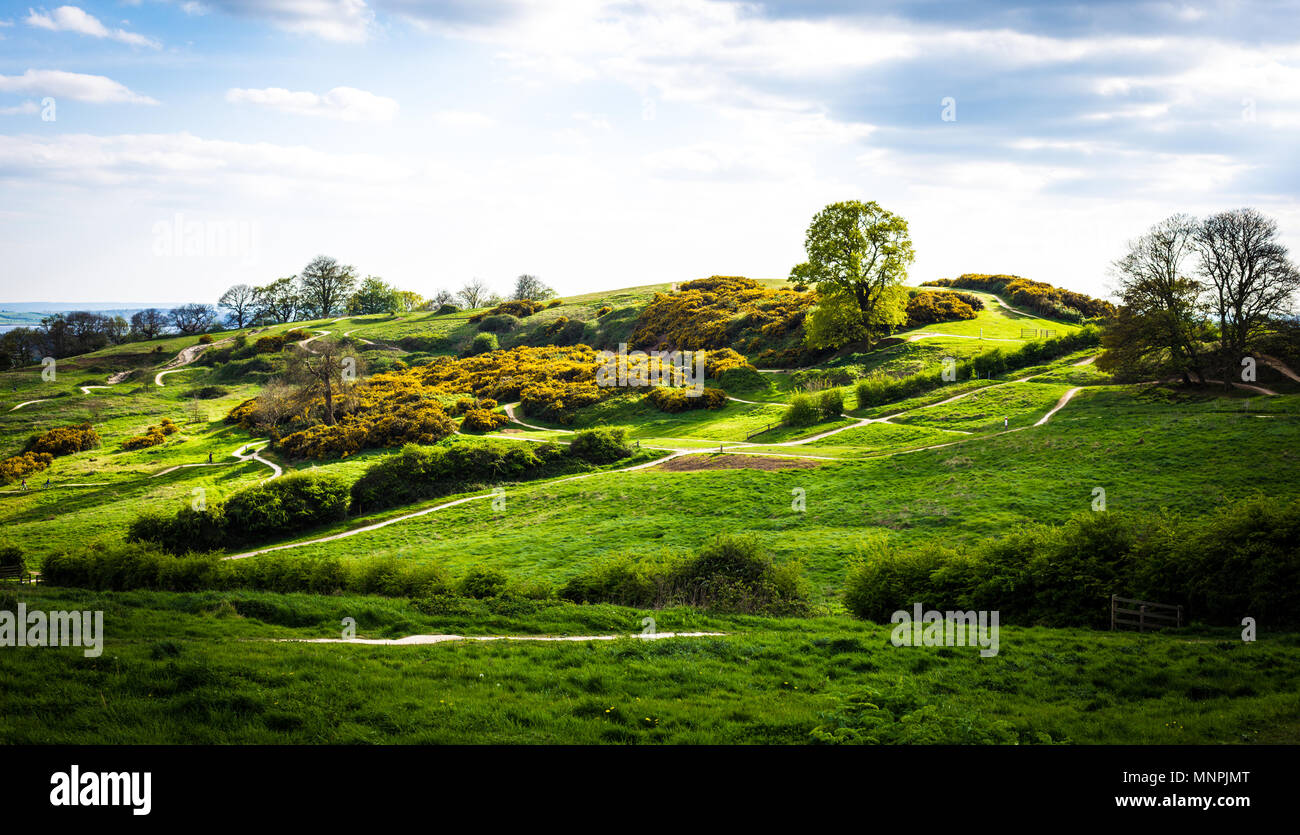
[(1278, 365), (28, 403), (423, 640), (929, 334), (86, 389), (243, 454), (1065, 398)]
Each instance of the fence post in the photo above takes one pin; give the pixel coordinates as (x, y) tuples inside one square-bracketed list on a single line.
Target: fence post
[(1142, 618), (1180, 617), (1112, 613)]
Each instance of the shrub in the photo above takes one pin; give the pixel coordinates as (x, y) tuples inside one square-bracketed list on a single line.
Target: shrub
[(802, 411), (930, 307), (64, 440), (207, 392), (600, 446), (154, 436), (830, 404), (286, 505), (444, 309), (554, 303), (673, 400), (1038, 296), (483, 343), (20, 466), (483, 420), (604, 309), (481, 582), (205, 339), (11, 556), (729, 574), (498, 323), (425, 472)]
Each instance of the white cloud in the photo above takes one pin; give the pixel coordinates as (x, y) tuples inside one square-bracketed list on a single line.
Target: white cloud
[(73, 19), (345, 103), (331, 20), (71, 85), (25, 108)]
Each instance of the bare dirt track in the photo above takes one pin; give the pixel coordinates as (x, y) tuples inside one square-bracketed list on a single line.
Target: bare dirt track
[(690, 463)]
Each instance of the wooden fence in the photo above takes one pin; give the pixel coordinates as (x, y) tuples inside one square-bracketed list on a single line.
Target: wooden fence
[(1143, 614)]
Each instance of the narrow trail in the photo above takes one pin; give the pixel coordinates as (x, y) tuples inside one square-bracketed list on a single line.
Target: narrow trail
[(30, 402), (1065, 398), (424, 640), (242, 454), (929, 334), (86, 389), (1278, 365)]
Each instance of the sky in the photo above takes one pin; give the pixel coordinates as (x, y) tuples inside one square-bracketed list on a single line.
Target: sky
[(162, 150)]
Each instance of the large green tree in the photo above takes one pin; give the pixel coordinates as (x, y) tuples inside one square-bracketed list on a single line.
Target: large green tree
[(860, 250)]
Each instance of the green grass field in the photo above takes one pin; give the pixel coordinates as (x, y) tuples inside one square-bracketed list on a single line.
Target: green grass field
[(942, 468)]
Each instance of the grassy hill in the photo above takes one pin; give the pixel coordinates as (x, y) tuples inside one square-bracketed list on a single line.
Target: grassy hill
[(965, 462)]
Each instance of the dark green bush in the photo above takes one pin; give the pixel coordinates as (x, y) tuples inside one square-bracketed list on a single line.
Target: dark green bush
[(600, 446), (481, 582), (499, 323), (729, 574)]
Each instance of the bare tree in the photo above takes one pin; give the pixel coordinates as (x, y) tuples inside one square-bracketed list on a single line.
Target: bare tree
[(475, 293), (1250, 281), (1163, 305), (241, 301), (193, 318), (531, 287), (325, 285), (324, 367)]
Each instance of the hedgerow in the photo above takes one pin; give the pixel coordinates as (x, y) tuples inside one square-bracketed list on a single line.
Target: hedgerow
[(1242, 560), (418, 473), (275, 508), (879, 389)]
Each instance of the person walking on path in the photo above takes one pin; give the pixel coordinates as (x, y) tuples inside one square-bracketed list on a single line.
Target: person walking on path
[(24, 485), (1004, 423), (209, 458)]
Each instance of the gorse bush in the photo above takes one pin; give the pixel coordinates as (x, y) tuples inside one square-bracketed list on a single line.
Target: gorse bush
[(673, 400), (20, 466), (1038, 296), (719, 312), (153, 436), (879, 389), (482, 420), (275, 508), (729, 574), (64, 440), (930, 307), (1243, 560)]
